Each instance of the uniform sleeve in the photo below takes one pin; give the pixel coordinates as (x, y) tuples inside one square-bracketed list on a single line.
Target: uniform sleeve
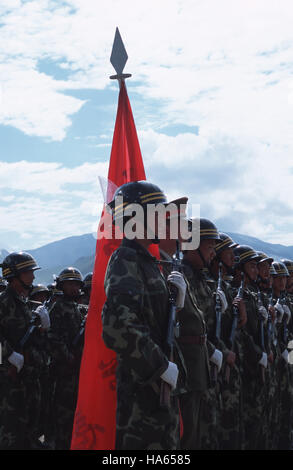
[(125, 330)]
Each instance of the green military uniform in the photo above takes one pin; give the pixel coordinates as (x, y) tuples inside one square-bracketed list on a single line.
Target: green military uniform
[(20, 393), (254, 377), (192, 341), (135, 318), (202, 292), (231, 419), (66, 346)]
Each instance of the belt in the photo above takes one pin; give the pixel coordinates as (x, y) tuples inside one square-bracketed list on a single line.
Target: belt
[(197, 339)]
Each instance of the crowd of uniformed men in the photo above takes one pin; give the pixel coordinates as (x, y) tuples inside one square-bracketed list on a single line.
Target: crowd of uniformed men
[(229, 372)]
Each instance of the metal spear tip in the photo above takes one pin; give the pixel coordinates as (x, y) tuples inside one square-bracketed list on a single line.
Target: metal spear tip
[(119, 57)]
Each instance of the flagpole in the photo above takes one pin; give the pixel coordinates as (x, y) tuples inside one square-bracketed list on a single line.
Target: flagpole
[(94, 425)]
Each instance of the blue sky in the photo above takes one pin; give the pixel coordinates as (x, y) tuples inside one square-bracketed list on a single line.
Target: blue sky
[(211, 93)]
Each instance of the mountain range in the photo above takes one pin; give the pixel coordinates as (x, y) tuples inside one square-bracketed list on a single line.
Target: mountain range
[(79, 251)]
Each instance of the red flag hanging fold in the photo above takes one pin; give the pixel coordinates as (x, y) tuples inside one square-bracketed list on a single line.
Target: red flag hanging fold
[(94, 423)]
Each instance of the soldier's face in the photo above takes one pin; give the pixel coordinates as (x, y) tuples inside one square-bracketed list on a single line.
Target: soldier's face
[(207, 248), (27, 277), (264, 270), (227, 257), (289, 285), (40, 297), (71, 288), (251, 270), (279, 283)]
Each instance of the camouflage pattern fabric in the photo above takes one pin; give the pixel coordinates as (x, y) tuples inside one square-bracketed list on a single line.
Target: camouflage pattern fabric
[(284, 377), (254, 390), (19, 392), (196, 374), (135, 318), (66, 318), (231, 417), (203, 293)]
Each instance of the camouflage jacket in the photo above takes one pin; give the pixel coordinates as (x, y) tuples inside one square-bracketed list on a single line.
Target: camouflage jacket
[(135, 314), (251, 335), (192, 323), (15, 320), (203, 290), (65, 343)]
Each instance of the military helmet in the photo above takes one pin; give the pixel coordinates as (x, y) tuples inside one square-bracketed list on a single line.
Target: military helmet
[(208, 230), (224, 242), (264, 257), (87, 281), (16, 263), (273, 272), (69, 274), (39, 288), (289, 264), (53, 289), (244, 254), (280, 268), (135, 192)]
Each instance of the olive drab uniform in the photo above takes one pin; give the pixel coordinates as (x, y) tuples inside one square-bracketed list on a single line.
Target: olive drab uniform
[(231, 424), (135, 319), (254, 378), (66, 348), (192, 342), (203, 293), (284, 335), (20, 393)]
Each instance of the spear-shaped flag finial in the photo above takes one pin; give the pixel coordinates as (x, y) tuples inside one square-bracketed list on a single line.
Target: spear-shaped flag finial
[(119, 57)]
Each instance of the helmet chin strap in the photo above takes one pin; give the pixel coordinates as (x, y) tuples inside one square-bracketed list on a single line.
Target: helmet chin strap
[(28, 288), (261, 280), (229, 269), (205, 264), (248, 276)]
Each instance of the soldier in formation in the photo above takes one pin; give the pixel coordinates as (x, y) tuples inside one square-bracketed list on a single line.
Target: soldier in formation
[(66, 341), (223, 366)]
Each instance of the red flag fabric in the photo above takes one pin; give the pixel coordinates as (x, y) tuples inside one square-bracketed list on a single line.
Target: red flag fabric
[(95, 415)]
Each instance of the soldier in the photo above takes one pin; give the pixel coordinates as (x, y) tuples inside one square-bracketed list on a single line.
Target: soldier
[(264, 281), (67, 321), (54, 294), (135, 319), (193, 359), (203, 289), (284, 334), (231, 426), (23, 355), (87, 287), (39, 293), (254, 354)]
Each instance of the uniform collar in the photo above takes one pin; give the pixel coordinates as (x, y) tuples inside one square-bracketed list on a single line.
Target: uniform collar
[(137, 247)]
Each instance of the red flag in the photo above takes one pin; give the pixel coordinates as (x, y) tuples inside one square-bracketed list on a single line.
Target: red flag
[(95, 415)]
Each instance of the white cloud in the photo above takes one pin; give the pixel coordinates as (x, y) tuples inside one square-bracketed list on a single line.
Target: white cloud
[(49, 203), (224, 67)]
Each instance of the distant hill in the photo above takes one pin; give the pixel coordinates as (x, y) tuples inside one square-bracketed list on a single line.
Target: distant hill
[(79, 251), (275, 251)]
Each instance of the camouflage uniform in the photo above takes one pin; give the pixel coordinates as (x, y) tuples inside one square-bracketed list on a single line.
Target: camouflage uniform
[(254, 390), (285, 384), (192, 343), (135, 318), (231, 418), (66, 318), (203, 292), (20, 394)]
